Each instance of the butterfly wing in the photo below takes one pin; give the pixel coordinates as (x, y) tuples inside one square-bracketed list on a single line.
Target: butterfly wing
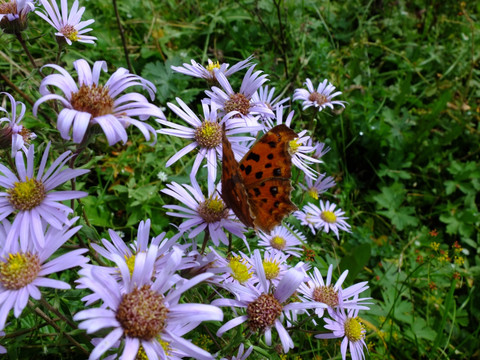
[(269, 157), (270, 202), (234, 193), (266, 171)]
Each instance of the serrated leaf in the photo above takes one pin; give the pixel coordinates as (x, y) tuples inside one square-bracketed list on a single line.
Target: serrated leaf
[(391, 196)]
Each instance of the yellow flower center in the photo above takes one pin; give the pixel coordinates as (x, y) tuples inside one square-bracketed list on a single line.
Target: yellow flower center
[(94, 99), (278, 242), (212, 210), (240, 271), (208, 135), (141, 354), (130, 260), (26, 195), (354, 329), (19, 270), (328, 216), (271, 268), (293, 146), (165, 345), (213, 65), (70, 32), (313, 192)]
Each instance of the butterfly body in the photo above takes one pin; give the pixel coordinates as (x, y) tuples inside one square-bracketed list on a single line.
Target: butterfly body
[(258, 188)]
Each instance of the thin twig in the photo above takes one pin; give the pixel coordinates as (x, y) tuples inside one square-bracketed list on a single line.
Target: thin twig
[(50, 308), (122, 35), (56, 327), (20, 38), (283, 40)]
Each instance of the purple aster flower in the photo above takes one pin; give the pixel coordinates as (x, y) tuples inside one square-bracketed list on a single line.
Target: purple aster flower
[(325, 218), (69, 25), (141, 244), (348, 326), (265, 95), (24, 268), (318, 187), (112, 252), (205, 135), (203, 214), (319, 98), (284, 239), (13, 15), (14, 135), (320, 148), (305, 218), (316, 289), (32, 198), (227, 100), (208, 73), (275, 266), (91, 103), (265, 306), (118, 246), (157, 332), (236, 268)]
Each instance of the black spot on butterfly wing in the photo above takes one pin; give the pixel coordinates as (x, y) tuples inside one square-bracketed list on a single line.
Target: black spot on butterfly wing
[(253, 156), (273, 190)]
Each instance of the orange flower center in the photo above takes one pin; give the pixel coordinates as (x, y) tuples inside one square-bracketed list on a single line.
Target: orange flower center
[(263, 312), (318, 98), (142, 313), (208, 135), (326, 295), (238, 102), (94, 99)]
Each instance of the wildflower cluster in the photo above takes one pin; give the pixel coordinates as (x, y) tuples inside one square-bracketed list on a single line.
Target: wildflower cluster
[(144, 298)]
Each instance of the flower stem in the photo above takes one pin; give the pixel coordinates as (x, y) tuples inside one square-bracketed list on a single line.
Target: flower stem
[(122, 35), (205, 240), (22, 41)]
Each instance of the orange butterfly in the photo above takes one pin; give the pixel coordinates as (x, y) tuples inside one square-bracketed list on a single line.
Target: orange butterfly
[(258, 189)]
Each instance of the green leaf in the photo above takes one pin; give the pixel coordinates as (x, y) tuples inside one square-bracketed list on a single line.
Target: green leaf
[(356, 260)]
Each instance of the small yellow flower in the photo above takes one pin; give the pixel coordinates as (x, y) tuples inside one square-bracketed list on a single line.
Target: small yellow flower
[(459, 260)]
